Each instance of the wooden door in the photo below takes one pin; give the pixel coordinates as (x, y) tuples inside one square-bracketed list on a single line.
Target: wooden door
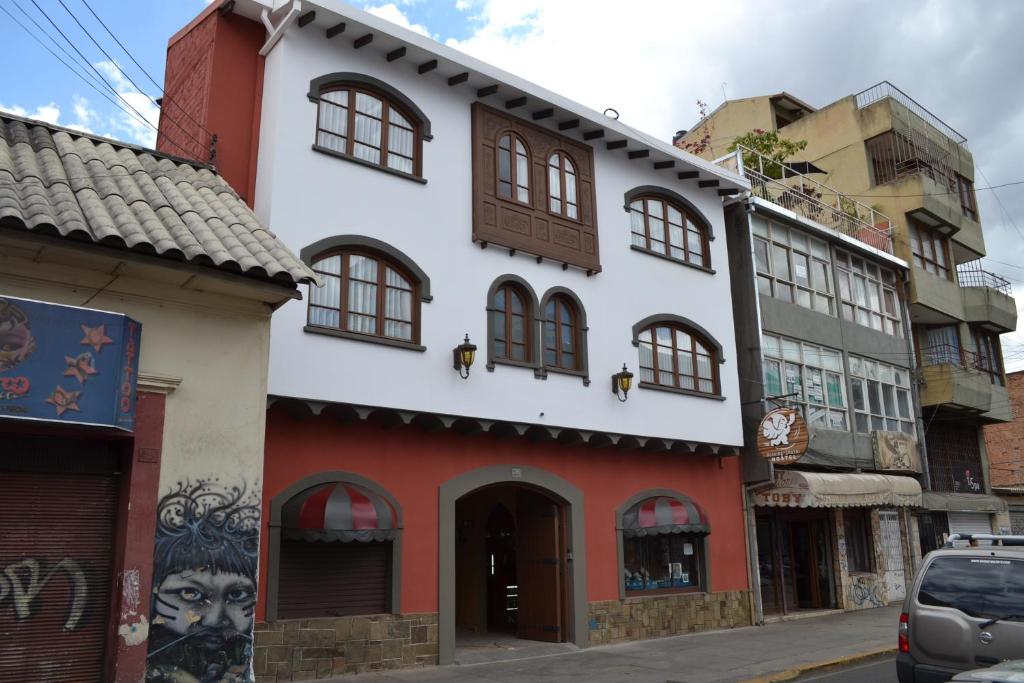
[(540, 565)]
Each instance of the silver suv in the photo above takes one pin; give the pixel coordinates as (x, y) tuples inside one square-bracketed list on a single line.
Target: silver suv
[(965, 610)]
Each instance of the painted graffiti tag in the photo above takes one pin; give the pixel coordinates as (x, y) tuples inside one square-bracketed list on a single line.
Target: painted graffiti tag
[(204, 583), (21, 583)]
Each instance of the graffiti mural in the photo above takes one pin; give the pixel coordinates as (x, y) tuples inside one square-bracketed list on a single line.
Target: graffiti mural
[(204, 584), (866, 592), (21, 583)]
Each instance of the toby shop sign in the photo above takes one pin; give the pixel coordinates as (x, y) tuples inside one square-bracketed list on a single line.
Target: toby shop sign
[(782, 436), (67, 364)]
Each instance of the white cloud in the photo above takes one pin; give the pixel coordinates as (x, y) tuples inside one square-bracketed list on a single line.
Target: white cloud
[(392, 13), (50, 113), (127, 121)]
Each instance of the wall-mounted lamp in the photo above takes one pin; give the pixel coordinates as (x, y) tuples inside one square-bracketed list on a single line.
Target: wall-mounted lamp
[(462, 357), (621, 383)]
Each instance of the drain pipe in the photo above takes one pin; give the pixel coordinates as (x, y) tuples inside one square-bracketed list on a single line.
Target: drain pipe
[(753, 571)]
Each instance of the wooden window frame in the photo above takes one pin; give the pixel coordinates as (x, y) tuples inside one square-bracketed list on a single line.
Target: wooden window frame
[(506, 289), (695, 337), (563, 214), (990, 354), (931, 242), (968, 199), (705, 250), (574, 323), (380, 317), (699, 542), (387, 104), (513, 168)]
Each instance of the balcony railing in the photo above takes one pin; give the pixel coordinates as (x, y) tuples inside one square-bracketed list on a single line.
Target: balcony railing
[(970, 275), (778, 183), (951, 354), (885, 89)]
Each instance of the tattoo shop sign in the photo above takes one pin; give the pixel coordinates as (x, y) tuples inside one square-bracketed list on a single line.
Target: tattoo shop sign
[(782, 436), (67, 364)]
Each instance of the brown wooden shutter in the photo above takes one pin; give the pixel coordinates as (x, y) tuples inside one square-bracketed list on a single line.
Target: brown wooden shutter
[(58, 509), (532, 228), (326, 579)]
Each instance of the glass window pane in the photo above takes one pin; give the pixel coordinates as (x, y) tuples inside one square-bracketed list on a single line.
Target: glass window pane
[(815, 387), (772, 378), (505, 165), (794, 384), (655, 208), (367, 104), (798, 240), (780, 262), (857, 393), (771, 346), (761, 256), (862, 422), (889, 400), (760, 226), (834, 389), (874, 399), (903, 403), (764, 285), (674, 216), (791, 350)]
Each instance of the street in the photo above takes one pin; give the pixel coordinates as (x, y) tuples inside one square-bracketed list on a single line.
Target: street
[(882, 670)]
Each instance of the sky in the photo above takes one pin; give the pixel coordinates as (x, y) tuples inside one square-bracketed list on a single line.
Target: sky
[(649, 59)]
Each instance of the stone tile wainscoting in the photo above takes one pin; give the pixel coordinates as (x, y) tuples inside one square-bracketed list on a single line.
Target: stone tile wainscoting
[(618, 621), (307, 649)]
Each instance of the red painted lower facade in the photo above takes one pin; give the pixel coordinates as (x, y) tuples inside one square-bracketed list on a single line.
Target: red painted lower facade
[(413, 465)]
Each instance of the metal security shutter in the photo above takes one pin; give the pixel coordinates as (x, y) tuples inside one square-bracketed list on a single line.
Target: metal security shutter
[(326, 579), (58, 509), (1017, 522), (969, 523)]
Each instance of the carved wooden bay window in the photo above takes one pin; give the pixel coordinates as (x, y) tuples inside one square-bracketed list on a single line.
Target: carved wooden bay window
[(533, 190)]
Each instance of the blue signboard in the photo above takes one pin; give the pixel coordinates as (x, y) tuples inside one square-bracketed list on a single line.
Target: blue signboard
[(67, 364)]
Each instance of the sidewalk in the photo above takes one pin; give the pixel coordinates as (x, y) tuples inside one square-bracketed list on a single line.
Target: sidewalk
[(741, 654)]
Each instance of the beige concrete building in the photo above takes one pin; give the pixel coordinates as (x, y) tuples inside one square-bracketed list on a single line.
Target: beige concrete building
[(884, 152), (138, 538)]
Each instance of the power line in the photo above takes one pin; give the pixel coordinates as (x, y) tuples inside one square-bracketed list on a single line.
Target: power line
[(125, 73), (120, 97), (72, 69), (141, 68)]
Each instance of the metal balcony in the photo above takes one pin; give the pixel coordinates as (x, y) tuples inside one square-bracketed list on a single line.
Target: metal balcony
[(780, 183)]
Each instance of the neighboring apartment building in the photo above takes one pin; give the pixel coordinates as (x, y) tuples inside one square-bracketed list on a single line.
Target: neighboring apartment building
[(136, 291), (821, 327), (540, 491), (890, 153), (1005, 445)]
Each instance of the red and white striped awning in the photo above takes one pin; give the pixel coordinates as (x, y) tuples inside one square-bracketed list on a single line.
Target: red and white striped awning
[(338, 511), (665, 515)]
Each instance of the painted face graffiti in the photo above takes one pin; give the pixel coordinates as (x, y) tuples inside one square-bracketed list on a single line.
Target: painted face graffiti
[(204, 584), (16, 340)]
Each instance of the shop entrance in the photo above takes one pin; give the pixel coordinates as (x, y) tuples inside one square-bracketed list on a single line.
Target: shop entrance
[(57, 537), (794, 551), (510, 570)]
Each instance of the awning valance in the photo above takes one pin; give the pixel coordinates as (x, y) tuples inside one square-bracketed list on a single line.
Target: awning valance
[(664, 515), (338, 511), (826, 489), (963, 502)]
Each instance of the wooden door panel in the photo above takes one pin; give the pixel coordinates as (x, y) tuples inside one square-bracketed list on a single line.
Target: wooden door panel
[(539, 559)]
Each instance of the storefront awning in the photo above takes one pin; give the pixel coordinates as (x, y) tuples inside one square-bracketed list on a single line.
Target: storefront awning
[(963, 502), (665, 515), (338, 511), (827, 489)]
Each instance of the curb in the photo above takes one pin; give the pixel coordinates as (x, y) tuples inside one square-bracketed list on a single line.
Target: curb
[(790, 674)]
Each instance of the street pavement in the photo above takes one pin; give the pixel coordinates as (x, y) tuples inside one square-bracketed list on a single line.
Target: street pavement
[(743, 654), (874, 671)]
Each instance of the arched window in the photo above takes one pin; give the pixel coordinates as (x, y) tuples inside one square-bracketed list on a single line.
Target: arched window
[(511, 324), (662, 537), (361, 122), (668, 228), (334, 548), (513, 168), (676, 356), (562, 190), (366, 294)]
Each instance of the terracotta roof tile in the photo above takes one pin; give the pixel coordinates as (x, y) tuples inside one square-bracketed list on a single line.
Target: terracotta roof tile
[(57, 180)]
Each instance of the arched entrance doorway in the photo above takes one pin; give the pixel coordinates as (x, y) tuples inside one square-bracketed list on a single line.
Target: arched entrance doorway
[(512, 557)]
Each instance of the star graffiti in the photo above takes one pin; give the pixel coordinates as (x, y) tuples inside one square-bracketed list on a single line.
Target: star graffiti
[(80, 367), (64, 400), (96, 337)]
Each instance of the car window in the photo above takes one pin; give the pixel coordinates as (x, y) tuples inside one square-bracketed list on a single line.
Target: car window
[(984, 587)]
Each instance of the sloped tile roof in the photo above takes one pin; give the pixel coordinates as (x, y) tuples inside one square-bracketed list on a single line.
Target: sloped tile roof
[(55, 180)]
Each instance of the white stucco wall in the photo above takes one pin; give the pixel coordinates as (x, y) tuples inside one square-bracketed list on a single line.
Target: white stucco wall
[(307, 196)]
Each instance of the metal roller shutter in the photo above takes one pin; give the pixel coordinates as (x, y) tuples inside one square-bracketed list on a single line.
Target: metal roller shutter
[(969, 523), (57, 525), (1017, 522), (326, 579)]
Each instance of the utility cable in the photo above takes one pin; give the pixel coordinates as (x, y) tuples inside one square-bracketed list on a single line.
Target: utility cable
[(140, 67), (124, 73)]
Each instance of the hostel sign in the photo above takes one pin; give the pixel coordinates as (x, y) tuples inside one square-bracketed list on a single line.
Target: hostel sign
[(67, 364), (782, 436)]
